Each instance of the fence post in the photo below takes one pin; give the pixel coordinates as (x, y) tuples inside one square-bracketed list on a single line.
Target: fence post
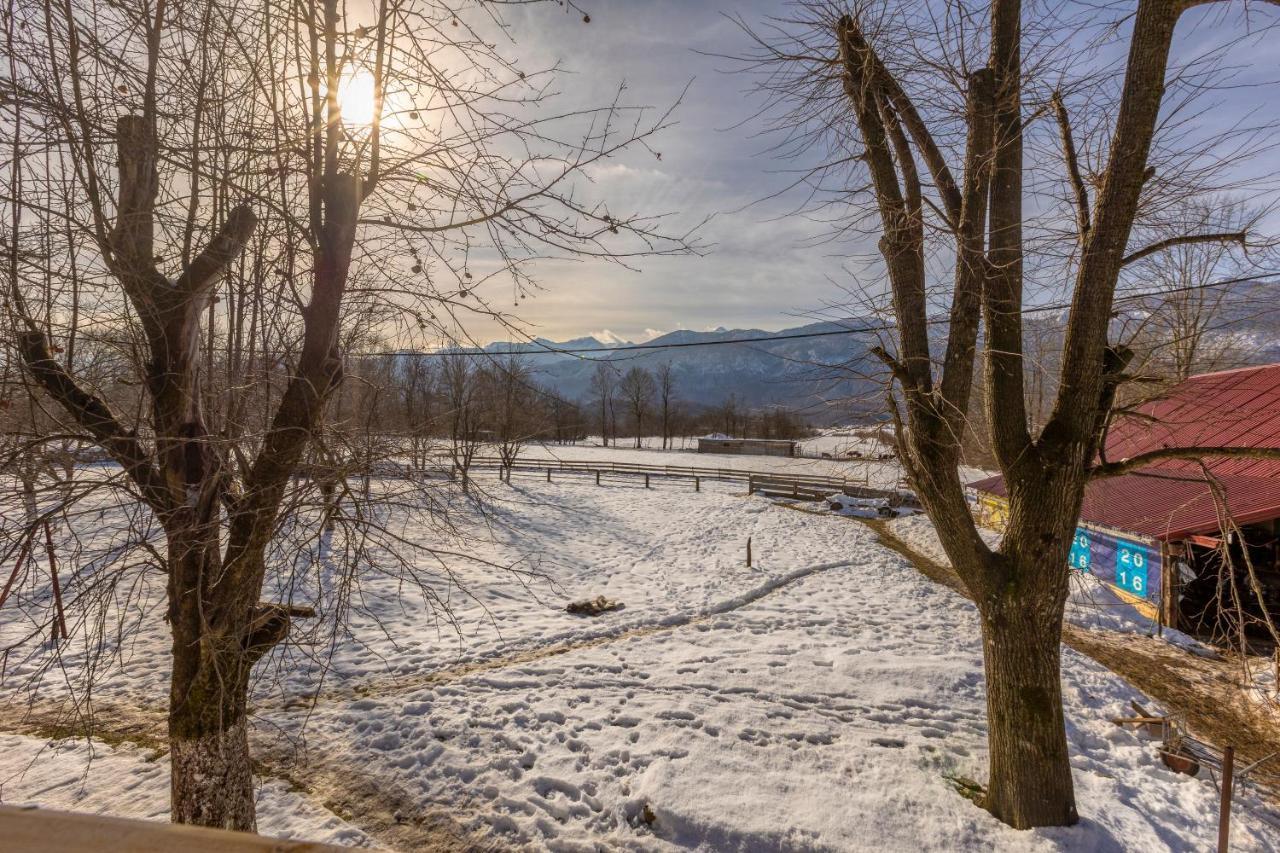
[(548, 475), (748, 552), (697, 484), (751, 484), (597, 478), (646, 480), (1224, 811)]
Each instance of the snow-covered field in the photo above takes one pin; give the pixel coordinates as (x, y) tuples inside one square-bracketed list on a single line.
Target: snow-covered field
[(819, 700)]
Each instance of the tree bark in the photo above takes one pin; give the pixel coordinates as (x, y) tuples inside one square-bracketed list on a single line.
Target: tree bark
[(1030, 772), (211, 779), (212, 776)]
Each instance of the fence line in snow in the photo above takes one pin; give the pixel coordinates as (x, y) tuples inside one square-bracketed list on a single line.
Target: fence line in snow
[(793, 485)]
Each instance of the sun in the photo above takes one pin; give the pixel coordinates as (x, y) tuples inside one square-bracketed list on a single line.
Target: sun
[(355, 94)]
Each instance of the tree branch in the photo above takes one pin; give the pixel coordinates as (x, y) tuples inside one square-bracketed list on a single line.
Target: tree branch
[(902, 243), (880, 77), (224, 248), (1241, 237), (1102, 257), (95, 416), (1124, 466), (971, 265), (1003, 288), (895, 367), (1073, 165), (132, 236)]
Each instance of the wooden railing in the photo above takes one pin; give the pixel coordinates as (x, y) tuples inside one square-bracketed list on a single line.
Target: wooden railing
[(772, 483), (39, 830)]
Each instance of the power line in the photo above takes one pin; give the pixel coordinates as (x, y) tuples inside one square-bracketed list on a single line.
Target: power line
[(542, 349)]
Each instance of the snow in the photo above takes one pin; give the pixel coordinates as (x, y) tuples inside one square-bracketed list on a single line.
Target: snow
[(129, 781), (818, 700)]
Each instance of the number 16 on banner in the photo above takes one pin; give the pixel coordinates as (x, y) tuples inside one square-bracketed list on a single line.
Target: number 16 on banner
[(1131, 567)]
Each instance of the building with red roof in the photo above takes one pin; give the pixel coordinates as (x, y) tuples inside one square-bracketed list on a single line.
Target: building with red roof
[(1173, 510)]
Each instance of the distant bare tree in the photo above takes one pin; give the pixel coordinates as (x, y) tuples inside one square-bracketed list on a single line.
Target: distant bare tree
[(637, 389), (1189, 327), (666, 399), (604, 389), (510, 405)]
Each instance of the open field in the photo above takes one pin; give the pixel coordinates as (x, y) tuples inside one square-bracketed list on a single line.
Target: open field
[(818, 700)]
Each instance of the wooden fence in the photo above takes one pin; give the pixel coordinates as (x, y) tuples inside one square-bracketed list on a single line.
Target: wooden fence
[(799, 486)]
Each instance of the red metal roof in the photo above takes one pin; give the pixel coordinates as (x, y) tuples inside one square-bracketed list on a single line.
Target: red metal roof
[(1171, 499), (1234, 408)]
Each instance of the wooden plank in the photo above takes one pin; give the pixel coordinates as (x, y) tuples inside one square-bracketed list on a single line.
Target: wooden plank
[(27, 830)]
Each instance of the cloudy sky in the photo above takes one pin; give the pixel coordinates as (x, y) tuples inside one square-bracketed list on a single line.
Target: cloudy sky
[(757, 269), (763, 268)]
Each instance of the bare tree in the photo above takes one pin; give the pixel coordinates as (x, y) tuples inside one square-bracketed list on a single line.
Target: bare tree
[(509, 401), (666, 399), (233, 224), (417, 394), (637, 389), (1189, 326), (604, 388), (466, 422), (898, 90)]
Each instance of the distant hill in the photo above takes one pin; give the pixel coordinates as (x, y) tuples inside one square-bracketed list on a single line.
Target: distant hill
[(831, 378), (834, 379)]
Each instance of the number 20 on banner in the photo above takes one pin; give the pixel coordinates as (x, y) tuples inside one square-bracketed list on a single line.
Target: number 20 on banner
[(1131, 567)]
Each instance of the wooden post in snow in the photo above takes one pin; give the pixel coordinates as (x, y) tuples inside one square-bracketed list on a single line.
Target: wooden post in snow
[(748, 552), (697, 484), (646, 480), (597, 478), (1224, 811)]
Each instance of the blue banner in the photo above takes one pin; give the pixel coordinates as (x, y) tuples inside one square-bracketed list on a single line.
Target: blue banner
[(1127, 563), (1081, 554)]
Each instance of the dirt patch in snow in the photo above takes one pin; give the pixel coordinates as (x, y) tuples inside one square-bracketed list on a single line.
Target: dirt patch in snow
[(1204, 691), (378, 808)]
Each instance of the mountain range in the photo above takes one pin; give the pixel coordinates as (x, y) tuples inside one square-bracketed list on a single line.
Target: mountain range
[(830, 377), (826, 370)]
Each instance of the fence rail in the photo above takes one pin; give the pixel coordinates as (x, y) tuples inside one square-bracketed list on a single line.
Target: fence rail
[(794, 485)]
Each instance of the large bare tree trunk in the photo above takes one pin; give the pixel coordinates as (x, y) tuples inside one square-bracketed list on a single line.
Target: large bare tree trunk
[(211, 778), (1030, 774)]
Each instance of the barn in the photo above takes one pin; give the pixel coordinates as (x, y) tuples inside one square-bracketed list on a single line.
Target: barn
[(746, 446), (1190, 540)]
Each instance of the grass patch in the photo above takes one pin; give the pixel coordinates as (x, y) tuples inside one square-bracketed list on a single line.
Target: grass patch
[(968, 788)]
